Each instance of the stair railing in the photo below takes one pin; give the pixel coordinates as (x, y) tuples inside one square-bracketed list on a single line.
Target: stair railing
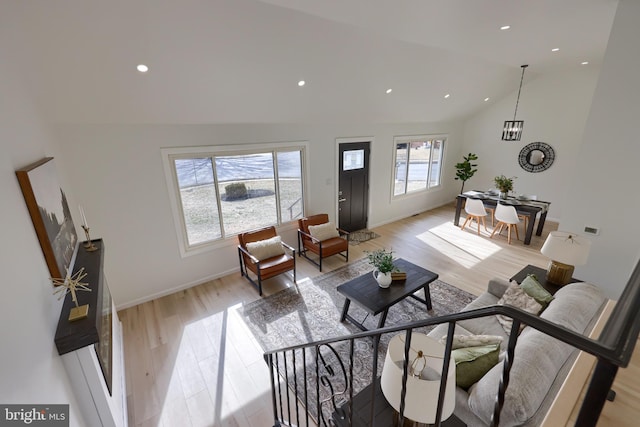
[(613, 349)]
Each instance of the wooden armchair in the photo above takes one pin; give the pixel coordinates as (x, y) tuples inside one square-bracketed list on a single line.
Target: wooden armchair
[(262, 252), (323, 239)]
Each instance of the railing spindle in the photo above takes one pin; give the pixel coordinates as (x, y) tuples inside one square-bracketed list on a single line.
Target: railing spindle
[(318, 383), (601, 382), (612, 353), (279, 387), (351, 352), (306, 393), (374, 376), (506, 372), (269, 358), (295, 384), (286, 383), (405, 374), (445, 373)]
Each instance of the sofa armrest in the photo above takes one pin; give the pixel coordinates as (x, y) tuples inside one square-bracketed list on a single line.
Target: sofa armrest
[(497, 287)]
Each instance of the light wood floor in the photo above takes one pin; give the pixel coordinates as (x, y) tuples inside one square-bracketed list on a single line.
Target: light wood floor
[(190, 360)]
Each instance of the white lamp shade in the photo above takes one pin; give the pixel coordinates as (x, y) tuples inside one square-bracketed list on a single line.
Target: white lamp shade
[(421, 398), (567, 248)]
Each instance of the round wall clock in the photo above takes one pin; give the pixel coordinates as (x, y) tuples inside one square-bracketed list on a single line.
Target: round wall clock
[(536, 157)]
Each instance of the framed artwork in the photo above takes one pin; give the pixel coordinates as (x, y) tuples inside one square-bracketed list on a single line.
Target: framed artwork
[(47, 205), (104, 346)]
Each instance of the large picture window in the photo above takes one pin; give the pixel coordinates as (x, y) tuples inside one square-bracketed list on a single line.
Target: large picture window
[(417, 163), (222, 193)]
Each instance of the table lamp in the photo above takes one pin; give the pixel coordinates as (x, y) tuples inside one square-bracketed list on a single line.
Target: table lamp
[(423, 378), (565, 250)]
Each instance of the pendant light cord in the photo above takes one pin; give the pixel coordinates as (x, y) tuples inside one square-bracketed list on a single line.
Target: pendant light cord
[(519, 90)]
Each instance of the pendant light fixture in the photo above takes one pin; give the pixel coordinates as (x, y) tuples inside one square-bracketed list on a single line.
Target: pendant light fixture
[(512, 130)]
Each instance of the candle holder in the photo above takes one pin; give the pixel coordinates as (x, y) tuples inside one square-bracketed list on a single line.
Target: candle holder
[(88, 244)]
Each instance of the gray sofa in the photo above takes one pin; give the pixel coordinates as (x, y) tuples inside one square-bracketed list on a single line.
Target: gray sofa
[(541, 362)]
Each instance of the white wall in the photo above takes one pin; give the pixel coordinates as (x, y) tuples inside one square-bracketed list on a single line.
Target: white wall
[(554, 109), (115, 172), (589, 118), (31, 371), (119, 179), (604, 187)]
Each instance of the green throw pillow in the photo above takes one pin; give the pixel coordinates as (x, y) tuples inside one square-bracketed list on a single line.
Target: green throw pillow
[(534, 289), (473, 362)]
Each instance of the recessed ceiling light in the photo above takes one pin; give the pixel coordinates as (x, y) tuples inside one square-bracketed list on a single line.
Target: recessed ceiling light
[(301, 83), (584, 63), (555, 49), (505, 27), (486, 99), (142, 68), (389, 90), (447, 96)]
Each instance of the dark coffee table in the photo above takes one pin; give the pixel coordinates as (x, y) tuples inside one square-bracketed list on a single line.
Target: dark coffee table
[(365, 291)]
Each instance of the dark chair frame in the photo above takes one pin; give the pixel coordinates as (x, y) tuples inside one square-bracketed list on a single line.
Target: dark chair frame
[(244, 255)]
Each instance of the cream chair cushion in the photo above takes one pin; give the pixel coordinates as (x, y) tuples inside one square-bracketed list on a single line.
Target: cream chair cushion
[(324, 231), (268, 248)]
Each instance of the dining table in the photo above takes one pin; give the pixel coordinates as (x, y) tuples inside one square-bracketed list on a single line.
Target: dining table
[(524, 206)]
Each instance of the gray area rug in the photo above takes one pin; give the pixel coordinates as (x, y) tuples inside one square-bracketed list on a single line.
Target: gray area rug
[(357, 237), (311, 312)]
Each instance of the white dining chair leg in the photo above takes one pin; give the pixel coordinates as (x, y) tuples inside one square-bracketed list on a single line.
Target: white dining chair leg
[(483, 223), (465, 222), (498, 228)]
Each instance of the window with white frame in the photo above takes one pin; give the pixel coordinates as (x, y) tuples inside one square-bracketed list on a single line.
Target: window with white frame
[(417, 163), (219, 192)]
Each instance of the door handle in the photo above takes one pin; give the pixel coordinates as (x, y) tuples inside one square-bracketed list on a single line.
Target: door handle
[(342, 200)]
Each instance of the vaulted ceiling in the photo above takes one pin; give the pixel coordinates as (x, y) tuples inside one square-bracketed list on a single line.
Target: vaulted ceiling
[(239, 61)]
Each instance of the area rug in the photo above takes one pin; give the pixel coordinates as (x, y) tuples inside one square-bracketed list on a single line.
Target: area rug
[(357, 237), (311, 311)]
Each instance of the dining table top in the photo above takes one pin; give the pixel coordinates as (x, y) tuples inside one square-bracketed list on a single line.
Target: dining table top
[(510, 200), (531, 208)]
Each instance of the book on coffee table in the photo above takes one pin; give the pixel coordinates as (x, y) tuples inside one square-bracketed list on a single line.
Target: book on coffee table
[(398, 275)]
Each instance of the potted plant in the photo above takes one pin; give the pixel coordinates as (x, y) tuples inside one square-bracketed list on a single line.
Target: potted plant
[(382, 260), (465, 169), (504, 184)]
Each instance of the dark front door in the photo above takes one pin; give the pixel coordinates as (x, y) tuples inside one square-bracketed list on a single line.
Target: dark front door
[(353, 188)]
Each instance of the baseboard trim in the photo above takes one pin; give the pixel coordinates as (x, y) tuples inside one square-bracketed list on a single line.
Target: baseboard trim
[(285, 228), (405, 216), (175, 289)]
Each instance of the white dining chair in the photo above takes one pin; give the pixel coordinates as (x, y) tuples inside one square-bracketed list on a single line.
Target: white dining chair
[(475, 211), (506, 215)]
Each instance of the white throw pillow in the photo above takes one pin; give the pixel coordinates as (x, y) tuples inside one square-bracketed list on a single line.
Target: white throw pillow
[(323, 231), (517, 297), (268, 248)]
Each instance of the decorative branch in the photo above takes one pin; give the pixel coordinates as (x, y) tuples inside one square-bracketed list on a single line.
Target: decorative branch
[(70, 284)]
